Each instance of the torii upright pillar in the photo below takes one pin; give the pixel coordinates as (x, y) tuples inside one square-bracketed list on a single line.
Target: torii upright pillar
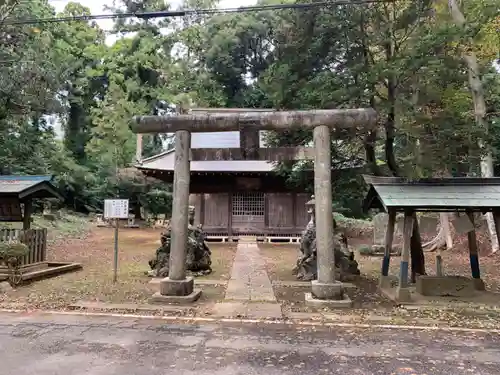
[(326, 289)]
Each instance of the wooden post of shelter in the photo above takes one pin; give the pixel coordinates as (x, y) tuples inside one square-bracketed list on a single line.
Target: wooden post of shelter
[(474, 254), (403, 292), (388, 240), (28, 209), (249, 123)]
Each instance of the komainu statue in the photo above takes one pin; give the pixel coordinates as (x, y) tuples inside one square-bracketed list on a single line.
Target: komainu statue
[(198, 260), (307, 268)]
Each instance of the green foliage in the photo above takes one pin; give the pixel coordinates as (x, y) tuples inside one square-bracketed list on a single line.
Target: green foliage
[(12, 249), (403, 58), (365, 250), (157, 202)]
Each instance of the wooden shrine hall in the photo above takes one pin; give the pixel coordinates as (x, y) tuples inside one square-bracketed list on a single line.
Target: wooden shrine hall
[(234, 196)]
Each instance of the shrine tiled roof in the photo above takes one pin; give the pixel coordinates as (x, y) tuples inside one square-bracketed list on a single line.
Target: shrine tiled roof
[(27, 186), (444, 194)]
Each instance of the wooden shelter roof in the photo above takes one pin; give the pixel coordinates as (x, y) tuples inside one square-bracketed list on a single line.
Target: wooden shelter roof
[(25, 187), (443, 194)]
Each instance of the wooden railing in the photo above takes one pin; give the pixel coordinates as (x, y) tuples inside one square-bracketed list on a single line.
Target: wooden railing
[(35, 239)]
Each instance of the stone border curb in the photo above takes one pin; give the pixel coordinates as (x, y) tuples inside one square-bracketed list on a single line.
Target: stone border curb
[(311, 323)]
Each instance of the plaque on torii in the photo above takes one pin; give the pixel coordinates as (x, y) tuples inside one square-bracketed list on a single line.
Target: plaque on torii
[(249, 122)]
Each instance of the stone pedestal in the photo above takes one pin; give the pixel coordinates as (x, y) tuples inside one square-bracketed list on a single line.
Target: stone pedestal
[(385, 282), (479, 284), (332, 290), (176, 291), (328, 294), (403, 294)]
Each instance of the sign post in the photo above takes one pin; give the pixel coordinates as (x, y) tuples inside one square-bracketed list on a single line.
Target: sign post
[(116, 209)]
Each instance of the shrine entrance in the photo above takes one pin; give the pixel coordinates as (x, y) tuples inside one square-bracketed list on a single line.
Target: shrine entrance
[(248, 206), (248, 212)]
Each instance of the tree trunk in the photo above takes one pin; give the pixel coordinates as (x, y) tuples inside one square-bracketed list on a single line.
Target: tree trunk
[(417, 253), (137, 210), (476, 88), (416, 250), (443, 237), (371, 158), (390, 128)]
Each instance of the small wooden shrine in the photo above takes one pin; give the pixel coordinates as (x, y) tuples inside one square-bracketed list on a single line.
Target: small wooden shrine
[(17, 194)]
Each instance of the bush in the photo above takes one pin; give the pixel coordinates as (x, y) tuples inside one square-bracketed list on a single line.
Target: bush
[(365, 250), (12, 249)]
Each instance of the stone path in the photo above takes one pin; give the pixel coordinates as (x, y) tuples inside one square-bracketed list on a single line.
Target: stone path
[(249, 291)]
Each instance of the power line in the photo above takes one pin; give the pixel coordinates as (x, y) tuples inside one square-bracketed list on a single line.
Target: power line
[(187, 12)]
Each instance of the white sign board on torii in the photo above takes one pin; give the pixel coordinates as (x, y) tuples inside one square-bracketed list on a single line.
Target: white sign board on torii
[(116, 208)]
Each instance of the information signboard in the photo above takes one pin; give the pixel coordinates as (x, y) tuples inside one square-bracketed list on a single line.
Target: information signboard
[(116, 208)]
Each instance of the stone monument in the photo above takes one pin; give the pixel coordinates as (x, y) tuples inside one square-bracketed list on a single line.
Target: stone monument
[(198, 260), (307, 265)]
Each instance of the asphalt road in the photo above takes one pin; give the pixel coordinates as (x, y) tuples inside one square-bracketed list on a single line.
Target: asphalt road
[(75, 345)]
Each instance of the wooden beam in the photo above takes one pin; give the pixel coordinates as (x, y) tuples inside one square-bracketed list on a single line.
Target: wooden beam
[(280, 121), (230, 215), (202, 208), (388, 240), (269, 154), (473, 249), (28, 210)]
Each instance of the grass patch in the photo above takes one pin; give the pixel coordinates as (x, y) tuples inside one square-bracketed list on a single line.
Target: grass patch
[(67, 224)]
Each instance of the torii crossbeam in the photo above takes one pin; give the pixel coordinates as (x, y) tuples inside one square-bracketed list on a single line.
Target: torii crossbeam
[(249, 123)]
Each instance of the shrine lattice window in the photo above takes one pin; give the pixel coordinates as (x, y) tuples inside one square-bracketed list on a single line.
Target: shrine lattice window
[(248, 204)]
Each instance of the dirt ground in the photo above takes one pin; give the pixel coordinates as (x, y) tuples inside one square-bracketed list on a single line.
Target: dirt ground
[(137, 246), (281, 259), (94, 282)]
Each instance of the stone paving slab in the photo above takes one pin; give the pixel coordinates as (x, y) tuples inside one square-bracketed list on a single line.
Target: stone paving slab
[(247, 310), (249, 292), (237, 290), (249, 279), (229, 310), (264, 311)]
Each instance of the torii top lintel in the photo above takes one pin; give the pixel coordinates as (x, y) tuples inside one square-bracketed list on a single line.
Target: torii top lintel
[(359, 118)]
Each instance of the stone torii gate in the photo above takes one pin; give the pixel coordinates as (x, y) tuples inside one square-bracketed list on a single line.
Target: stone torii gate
[(177, 287)]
